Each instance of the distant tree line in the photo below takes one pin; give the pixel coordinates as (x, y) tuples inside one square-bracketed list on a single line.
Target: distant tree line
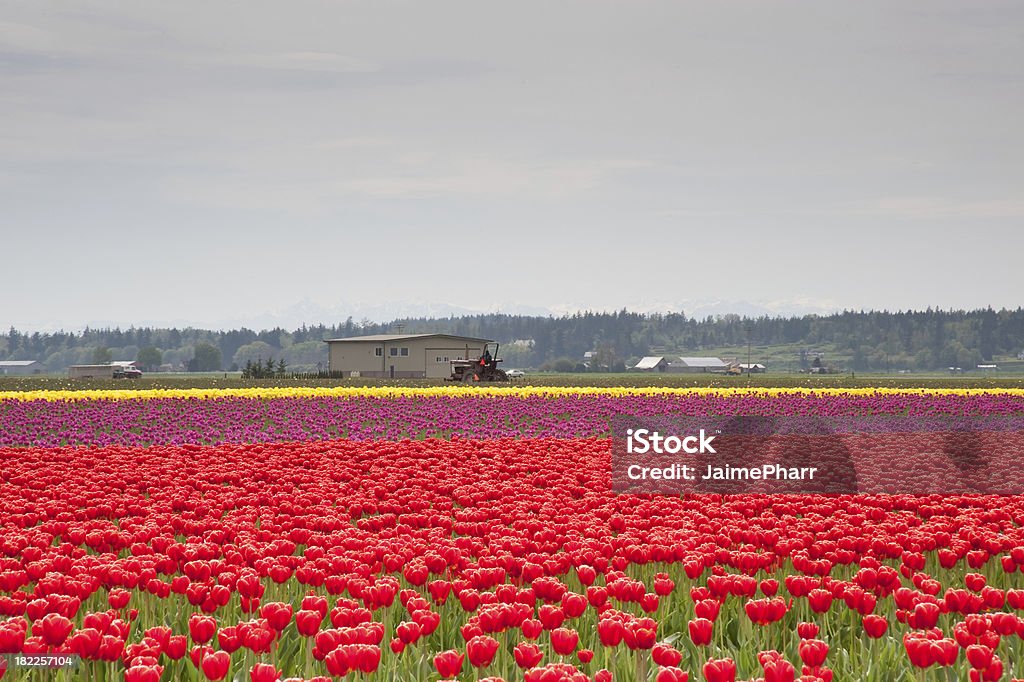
[(873, 340)]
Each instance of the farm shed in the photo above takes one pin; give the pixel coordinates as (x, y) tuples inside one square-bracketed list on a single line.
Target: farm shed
[(753, 368), (20, 367), (401, 356), (652, 363), (697, 365)]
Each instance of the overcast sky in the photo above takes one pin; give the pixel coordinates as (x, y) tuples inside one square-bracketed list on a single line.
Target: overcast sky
[(212, 162)]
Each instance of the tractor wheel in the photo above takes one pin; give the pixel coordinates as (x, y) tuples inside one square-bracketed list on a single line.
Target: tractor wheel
[(498, 375), (467, 376)]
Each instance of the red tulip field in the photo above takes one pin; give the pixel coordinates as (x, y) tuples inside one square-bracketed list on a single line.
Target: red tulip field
[(492, 557)]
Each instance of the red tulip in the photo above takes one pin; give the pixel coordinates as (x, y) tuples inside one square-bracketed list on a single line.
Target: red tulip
[(11, 641), (610, 631), (308, 622), (176, 647), (819, 600), (564, 641), (649, 602), (875, 626), (408, 632), (671, 675), (975, 581), (666, 655), (264, 672), (807, 630), (84, 642), (641, 635), (481, 650), (707, 608), (813, 652), (551, 616), (278, 614), (720, 670), (663, 585), (229, 639), (527, 654), (700, 631), (198, 653), (313, 602), (979, 656), (439, 590), (574, 605), (779, 670), (926, 615), (339, 661), (531, 628), (201, 628), (215, 665), (765, 611), (367, 658), (143, 673), (54, 628), (448, 663), (118, 598), (586, 574)]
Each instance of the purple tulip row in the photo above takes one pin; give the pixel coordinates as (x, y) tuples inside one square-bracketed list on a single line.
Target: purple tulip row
[(178, 421)]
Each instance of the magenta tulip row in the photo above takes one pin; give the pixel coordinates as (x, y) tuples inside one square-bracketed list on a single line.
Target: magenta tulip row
[(176, 421)]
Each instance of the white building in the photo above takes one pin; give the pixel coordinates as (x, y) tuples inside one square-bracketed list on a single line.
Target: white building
[(652, 363), (20, 367)]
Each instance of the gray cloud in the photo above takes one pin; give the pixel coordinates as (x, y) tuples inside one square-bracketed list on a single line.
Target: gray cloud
[(591, 142)]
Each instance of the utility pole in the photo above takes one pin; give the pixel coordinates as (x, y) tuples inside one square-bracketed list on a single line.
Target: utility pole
[(748, 352)]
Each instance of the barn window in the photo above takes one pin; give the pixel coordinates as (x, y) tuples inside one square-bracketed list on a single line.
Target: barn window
[(394, 352), (405, 352), (379, 352)]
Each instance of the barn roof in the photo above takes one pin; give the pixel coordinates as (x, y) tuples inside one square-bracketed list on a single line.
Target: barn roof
[(380, 338), (702, 362), (649, 362)]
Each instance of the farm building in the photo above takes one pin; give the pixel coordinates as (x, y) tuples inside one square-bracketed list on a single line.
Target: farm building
[(20, 367), (401, 356), (752, 368), (652, 364), (697, 365)]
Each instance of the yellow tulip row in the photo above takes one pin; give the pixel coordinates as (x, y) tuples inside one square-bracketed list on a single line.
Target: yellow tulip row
[(459, 391)]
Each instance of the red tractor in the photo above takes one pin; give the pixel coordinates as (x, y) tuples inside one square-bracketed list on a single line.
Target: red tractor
[(483, 369)]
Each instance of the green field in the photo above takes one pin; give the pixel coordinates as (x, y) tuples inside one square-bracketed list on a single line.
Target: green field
[(769, 380)]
